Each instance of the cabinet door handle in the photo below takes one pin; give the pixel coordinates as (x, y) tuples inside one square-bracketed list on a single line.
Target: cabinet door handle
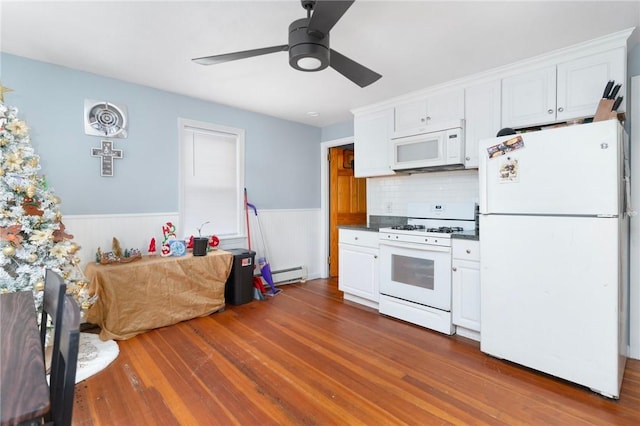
[(560, 109), (428, 118), (423, 119), (454, 269), (468, 251), (467, 158), (375, 256), (550, 111), (355, 238)]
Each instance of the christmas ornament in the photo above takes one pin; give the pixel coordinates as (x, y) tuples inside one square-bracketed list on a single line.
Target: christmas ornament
[(55, 199), (115, 246), (31, 191), (32, 258), (73, 248), (59, 251), (41, 237), (31, 207), (1, 172), (39, 285), (152, 247), (12, 234), (60, 235), (17, 127), (14, 161), (8, 251), (177, 248)]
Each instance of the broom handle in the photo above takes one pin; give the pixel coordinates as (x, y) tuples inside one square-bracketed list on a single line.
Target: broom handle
[(246, 214)]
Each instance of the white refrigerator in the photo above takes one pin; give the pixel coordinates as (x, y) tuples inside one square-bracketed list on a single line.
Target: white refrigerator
[(553, 252)]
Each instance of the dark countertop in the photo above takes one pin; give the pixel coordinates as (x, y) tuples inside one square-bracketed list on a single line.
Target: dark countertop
[(466, 235), (360, 228)]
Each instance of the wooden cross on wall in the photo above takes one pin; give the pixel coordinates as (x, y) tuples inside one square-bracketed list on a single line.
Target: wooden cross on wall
[(108, 154)]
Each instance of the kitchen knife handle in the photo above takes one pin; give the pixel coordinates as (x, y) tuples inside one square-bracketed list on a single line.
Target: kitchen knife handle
[(615, 91), (607, 89), (617, 103)]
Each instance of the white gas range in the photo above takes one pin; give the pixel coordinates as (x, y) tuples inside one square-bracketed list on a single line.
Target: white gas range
[(415, 263)]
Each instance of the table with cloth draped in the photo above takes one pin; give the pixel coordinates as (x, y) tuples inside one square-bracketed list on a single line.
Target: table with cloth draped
[(156, 291)]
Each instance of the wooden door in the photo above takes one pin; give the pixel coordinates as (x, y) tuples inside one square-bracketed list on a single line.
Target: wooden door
[(347, 199)]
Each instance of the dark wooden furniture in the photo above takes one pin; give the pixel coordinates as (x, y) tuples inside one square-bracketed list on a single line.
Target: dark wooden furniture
[(24, 394), (64, 363), (52, 303)]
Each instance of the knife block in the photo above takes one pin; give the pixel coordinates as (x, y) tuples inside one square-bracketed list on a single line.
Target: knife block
[(603, 112)]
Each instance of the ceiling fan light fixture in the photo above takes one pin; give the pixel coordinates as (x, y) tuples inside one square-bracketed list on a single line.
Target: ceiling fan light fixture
[(309, 63), (307, 52)]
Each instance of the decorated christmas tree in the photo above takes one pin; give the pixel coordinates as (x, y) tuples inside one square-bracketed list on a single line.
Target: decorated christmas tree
[(32, 235)]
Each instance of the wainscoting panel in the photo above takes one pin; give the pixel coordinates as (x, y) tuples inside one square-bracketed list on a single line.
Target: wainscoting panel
[(131, 230), (292, 237)]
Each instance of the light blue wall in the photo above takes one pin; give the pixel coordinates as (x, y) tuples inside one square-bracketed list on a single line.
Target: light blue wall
[(51, 99), (337, 131)]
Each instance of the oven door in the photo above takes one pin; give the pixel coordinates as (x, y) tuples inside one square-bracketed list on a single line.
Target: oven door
[(418, 273)]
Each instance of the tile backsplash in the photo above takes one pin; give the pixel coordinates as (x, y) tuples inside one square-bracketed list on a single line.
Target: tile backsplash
[(389, 196)]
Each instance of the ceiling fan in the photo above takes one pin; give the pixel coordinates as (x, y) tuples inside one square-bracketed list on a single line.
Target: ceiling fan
[(309, 44)]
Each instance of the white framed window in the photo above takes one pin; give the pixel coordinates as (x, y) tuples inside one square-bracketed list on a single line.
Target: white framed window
[(211, 179)]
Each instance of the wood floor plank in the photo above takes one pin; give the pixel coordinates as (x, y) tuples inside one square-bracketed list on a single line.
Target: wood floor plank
[(306, 357)]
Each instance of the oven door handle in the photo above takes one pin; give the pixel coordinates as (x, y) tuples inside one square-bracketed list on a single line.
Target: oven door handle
[(424, 247)]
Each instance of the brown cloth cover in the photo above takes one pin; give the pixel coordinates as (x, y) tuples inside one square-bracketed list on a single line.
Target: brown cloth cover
[(156, 291)]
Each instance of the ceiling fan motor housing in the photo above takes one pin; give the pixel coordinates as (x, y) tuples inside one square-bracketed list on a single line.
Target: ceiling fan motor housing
[(304, 45)]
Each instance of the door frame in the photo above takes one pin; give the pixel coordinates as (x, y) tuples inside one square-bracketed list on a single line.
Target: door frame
[(324, 200)]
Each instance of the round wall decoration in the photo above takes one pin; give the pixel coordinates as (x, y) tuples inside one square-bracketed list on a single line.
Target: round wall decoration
[(103, 118)]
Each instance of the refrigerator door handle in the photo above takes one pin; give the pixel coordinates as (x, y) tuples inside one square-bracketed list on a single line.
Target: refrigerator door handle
[(483, 209)]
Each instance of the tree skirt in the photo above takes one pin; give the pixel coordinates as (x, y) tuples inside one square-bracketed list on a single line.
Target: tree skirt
[(94, 355)]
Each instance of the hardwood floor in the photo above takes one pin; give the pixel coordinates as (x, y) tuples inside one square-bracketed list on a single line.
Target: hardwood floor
[(306, 357)]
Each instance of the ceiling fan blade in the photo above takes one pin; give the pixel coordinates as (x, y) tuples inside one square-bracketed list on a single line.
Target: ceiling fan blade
[(359, 74), (325, 15), (226, 57)]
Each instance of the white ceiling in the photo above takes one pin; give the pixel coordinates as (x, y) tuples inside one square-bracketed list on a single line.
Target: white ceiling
[(413, 44)]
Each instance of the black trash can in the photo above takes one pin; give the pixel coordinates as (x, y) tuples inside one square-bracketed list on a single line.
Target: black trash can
[(239, 287)]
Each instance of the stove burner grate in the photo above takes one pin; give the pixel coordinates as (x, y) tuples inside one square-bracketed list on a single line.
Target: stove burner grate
[(446, 229), (409, 227)]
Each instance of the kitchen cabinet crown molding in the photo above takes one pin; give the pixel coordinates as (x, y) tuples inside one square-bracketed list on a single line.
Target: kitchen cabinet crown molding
[(589, 47)]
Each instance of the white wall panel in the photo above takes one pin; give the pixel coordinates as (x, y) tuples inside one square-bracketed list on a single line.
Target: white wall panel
[(291, 236), (131, 230)]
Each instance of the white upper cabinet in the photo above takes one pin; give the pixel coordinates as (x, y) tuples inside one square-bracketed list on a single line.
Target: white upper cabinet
[(415, 117), (581, 83), (529, 98), (482, 117), (372, 149), (560, 92)]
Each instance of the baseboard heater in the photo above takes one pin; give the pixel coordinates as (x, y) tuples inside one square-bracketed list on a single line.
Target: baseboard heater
[(288, 275)]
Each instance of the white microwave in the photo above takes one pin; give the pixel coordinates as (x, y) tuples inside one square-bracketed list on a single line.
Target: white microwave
[(440, 149)]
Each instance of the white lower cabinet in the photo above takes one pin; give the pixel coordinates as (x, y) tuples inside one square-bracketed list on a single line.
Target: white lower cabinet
[(465, 282), (358, 275)]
